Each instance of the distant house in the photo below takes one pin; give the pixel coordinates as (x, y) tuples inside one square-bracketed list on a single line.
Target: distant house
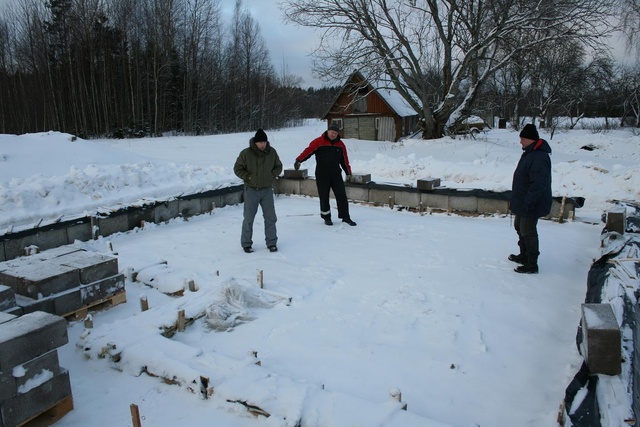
[(364, 111)]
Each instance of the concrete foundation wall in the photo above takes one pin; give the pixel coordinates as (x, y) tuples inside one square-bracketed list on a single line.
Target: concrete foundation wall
[(447, 200), (14, 244)]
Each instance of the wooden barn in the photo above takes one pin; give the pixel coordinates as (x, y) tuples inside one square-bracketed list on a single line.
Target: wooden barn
[(365, 111)]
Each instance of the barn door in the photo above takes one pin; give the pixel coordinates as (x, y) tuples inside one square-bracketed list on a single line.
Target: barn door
[(350, 128), (386, 128)]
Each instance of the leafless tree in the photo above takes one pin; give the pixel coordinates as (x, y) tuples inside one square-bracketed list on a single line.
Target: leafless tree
[(467, 41)]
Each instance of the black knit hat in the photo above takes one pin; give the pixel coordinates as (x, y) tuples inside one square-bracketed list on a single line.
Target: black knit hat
[(260, 136), (334, 126), (529, 131)]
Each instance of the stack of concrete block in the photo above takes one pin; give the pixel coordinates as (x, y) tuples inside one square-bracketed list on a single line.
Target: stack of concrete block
[(31, 379), (61, 281)]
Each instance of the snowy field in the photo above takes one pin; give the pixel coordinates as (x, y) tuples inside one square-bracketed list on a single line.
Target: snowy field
[(425, 305)]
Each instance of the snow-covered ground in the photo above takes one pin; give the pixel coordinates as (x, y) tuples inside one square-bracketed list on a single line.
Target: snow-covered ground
[(425, 305)]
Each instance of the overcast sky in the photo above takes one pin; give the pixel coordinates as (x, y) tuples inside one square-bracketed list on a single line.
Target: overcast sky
[(288, 43)]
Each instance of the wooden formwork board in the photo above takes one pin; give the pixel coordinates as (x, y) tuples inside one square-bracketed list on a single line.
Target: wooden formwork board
[(102, 304), (51, 415)]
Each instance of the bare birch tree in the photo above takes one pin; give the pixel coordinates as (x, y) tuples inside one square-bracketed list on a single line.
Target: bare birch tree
[(466, 41)]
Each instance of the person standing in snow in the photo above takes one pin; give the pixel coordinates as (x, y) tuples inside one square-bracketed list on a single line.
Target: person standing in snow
[(331, 155), (258, 165), (530, 196)]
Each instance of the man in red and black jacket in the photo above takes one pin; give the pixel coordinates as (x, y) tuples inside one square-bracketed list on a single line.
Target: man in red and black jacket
[(331, 155)]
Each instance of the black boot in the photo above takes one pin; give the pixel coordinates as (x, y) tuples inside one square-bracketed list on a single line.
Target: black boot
[(529, 267), (520, 259)]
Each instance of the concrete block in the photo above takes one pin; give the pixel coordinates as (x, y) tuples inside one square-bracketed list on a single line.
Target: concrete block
[(360, 178), (53, 253), (14, 248), (7, 298), (65, 303), (556, 207), (30, 305), (29, 336), (601, 339), (434, 201), (137, 216), (118, 223), (51, 238), (463, 203), (14, 311), (47, 362), (7, 386), (381, 196), (102, 289), (287, 186), (308, 187), (357, 192), (492, 206), (207, 203), (428, 183), (35, 401), (166, 211), (41, 280), (296, 174), (188, 208), (233, 198), (91, 266), (5, 317), (617, 219), (407, 199), (80, 231)]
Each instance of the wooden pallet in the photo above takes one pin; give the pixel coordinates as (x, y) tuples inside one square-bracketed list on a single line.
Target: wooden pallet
[(51, 415), (102, 304)]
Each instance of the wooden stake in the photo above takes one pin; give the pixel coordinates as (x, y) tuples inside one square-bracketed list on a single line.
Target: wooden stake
[(88, 322), (562, 207), (205, 390), (94, 228), (182, 321), (391, 202), (135, 416), (260, 279), (144, 303), (395, 394), (192, 286)]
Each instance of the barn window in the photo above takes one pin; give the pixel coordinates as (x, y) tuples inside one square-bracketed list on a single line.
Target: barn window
[(360, 104), (337, 122)]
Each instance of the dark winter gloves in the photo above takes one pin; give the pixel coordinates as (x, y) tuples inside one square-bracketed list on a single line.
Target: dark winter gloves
[(296, 165)]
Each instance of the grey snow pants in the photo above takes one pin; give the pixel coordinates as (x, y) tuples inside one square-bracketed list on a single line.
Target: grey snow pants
[(252, 198)]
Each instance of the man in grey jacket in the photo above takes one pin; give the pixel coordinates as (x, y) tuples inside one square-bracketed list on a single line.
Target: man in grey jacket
[(258, 165)]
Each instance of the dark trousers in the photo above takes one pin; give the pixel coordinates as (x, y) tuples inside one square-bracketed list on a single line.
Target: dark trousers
[(252, 199), (327, 181), (527, 229)]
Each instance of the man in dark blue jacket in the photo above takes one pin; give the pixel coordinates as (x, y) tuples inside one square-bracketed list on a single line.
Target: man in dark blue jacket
[(531, 196)]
